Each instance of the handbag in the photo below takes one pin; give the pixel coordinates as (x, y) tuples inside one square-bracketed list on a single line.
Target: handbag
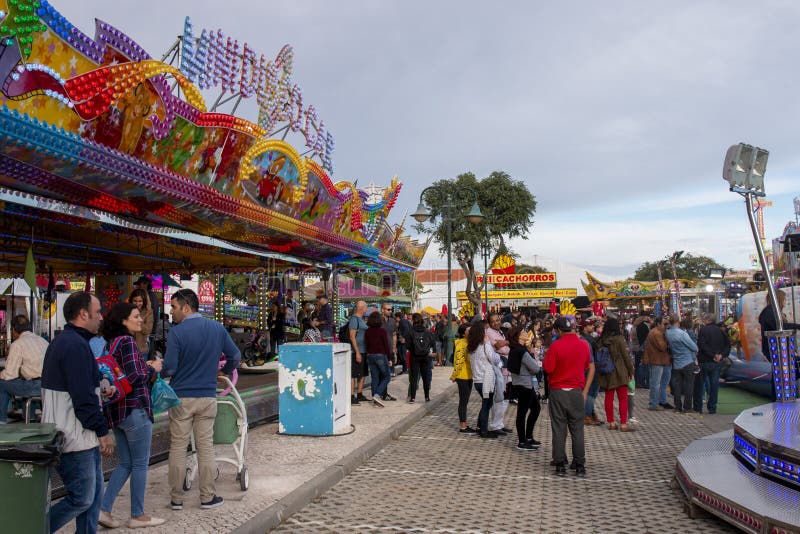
[(162, 396)]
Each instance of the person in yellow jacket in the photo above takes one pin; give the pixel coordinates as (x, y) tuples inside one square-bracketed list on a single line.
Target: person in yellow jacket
[(462, 376)]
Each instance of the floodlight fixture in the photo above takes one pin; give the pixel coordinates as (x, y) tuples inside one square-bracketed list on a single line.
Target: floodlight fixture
[(744, 168), (717, 274)]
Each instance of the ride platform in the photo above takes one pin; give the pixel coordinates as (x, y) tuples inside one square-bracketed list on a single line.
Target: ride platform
[(748, 476)]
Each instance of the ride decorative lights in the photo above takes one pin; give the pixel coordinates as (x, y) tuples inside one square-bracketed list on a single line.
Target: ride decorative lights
[(783, 355), (21, 23)]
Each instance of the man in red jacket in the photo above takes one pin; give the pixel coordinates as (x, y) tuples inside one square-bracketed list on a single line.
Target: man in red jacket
[(566, 364)]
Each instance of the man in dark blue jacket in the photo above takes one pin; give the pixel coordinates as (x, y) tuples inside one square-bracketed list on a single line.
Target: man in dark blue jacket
[(194, 346), (71, 400)]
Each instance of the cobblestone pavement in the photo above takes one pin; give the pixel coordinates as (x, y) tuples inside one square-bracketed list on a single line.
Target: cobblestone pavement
[(434, 479)]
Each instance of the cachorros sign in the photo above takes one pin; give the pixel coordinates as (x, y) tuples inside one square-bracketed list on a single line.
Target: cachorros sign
[(530, 278)]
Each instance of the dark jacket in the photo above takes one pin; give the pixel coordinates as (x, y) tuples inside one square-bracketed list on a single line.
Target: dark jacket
[(642, 329), (70, 389), (766, 319), (404, 331), (623, 366), (420, 330), (711, 341)]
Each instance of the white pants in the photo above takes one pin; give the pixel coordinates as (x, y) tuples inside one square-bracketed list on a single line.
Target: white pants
[(497, 414)]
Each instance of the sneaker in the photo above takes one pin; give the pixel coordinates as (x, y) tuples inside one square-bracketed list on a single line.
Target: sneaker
[(633, 420), (377, 401), (561, 470), (667, 406), (513, 401), (388, 397), (213, 503), (411, 400), (176, 505), (467, 430), (656, 408), (108, 521), (525, 446), (580, 471), (427, 399), (506, 430), (152, 522), (488, 435), (354, 400), (362, 398), (533, 443)]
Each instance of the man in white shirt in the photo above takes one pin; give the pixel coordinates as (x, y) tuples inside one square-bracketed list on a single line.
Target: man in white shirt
[(23, 372)]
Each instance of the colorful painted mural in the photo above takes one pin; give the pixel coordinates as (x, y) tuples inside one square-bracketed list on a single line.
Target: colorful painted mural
[(133, 136), (597, 290)]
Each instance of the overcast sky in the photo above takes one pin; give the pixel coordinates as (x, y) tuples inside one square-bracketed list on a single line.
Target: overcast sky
[(616, 114)]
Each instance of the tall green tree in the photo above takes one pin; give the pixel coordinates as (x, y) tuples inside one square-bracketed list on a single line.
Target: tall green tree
[(508, 207), (687, 266)]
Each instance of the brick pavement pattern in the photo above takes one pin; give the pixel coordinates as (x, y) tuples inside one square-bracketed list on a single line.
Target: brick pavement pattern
[(434, 479)]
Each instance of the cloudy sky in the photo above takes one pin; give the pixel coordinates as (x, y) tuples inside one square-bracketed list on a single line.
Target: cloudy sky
[(616, 114)]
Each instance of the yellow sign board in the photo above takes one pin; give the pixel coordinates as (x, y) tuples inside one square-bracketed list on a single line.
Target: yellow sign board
[(496, 294), (529, 278)]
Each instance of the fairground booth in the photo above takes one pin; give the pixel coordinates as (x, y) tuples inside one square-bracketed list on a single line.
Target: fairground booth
[(115, 163)]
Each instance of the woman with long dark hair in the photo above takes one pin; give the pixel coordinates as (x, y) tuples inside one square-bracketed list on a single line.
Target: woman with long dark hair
[(482, 358), (616, 383), (130, 418), (141, 300), (462, 376), (523, 368)]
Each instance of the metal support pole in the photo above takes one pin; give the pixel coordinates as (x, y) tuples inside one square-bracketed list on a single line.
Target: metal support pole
[(660, 289), (486, 278), (677, 285), (448, 330), (748, 199)]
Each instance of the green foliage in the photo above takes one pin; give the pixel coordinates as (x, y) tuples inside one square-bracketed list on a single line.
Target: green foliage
[(522, 268), (507, 204), (237, 285), (688, 266)]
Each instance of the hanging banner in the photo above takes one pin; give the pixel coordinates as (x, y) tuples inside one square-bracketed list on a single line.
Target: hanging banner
[(530, 278), (524, 294)]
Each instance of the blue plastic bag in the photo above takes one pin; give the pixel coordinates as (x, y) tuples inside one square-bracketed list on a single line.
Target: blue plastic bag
[(162, 396)]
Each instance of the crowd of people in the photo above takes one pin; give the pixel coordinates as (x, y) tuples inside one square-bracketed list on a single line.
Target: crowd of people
[(509, 360), (562, 361)]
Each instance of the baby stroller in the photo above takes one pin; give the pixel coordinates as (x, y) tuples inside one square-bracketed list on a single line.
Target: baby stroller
[(230, 428)]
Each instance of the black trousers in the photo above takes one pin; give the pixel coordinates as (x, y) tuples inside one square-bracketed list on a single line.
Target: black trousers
[(464, 391), (683, 387), (420, 367), (527, 405)]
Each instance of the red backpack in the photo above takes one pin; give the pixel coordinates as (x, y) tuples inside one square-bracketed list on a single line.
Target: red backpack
[(112, 372)]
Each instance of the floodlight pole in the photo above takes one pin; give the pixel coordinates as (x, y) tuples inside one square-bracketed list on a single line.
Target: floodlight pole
[(660, 288), (762, 257)]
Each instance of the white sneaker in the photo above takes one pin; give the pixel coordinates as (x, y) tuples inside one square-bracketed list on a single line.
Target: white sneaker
[(377, 401), (108, 521), (633, 420), (152, 522)]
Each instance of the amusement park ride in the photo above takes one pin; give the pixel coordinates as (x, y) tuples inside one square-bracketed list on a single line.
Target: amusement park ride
[(111, 163), (750, 476)]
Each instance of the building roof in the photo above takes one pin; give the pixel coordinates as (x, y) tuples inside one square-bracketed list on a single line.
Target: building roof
[(439, 276)]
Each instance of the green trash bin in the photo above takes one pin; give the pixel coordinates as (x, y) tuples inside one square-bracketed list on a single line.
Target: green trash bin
[(26, 453)]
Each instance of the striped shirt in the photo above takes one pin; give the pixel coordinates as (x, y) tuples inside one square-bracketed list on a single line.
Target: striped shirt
[(130, 359)]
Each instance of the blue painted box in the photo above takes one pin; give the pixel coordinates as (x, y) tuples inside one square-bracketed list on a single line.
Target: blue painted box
[(314, 389)]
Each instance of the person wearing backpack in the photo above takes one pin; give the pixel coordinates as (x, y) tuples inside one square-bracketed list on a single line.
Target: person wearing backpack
[(129, 416), (422, 343), (616, 381)]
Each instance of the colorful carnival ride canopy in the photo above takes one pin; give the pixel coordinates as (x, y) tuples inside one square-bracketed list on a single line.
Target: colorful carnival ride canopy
[(631, 289), (98, 124)]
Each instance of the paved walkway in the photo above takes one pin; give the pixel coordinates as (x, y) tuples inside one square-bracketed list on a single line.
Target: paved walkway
[(286, 472), (406, 469), (435, 480)]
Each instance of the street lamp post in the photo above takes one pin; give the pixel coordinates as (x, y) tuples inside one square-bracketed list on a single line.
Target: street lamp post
[(672, 260), (449, 201)]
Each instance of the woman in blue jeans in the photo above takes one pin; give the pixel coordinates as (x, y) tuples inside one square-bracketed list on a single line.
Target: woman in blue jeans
[(483, 358), (377, 343), (130, 417)]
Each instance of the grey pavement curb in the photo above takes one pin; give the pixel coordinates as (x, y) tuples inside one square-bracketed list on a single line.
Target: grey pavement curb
[(296, 500)]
